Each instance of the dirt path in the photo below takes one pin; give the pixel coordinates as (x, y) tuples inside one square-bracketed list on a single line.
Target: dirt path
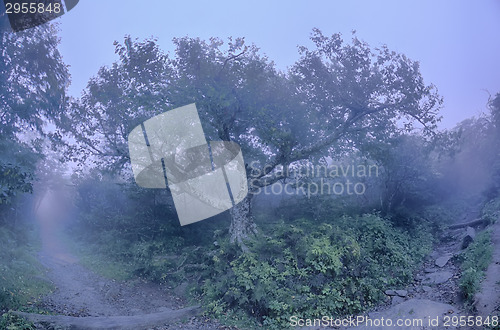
[(80, 292), (487, 301), (84, 300)]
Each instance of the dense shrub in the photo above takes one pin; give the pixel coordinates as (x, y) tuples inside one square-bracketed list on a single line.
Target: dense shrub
[(335, 268)]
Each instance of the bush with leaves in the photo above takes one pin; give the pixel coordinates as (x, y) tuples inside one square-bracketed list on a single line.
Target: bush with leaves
[(339, 267)]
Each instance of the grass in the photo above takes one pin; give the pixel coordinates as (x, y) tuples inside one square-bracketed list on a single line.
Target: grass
[(90, 257), (106, 267), (22, 277), (474, 261)]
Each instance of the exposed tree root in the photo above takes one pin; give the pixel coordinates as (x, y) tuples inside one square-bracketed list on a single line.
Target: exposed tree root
[(113, 322)]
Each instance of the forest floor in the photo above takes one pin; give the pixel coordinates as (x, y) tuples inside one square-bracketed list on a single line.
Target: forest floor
[(83, 299), (435, 292)]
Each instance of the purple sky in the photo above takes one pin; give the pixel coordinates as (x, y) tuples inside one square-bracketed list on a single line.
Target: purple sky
[(457, 42)]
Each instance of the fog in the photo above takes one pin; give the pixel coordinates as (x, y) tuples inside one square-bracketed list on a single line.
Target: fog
[(202, 181)]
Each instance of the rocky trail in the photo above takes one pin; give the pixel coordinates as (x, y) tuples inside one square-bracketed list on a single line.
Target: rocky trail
[(435, 294)]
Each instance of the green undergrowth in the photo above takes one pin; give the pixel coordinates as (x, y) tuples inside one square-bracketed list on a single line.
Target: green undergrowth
[(474, 261), (166, 259), (10, 321), (478, 255), (491, 211), (338, 266), (22, 277), (309, 269)]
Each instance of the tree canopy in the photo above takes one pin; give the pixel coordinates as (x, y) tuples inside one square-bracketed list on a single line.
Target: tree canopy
[(339, 96), (33, 80)]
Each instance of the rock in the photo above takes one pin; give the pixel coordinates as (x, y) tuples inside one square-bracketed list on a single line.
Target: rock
[(391, 293), (434, 254), (469, 237), (413, 309), (396, 300), (429, 270), (442, 261), (426, 288), (374, 315), (402, 293), (437, 278)]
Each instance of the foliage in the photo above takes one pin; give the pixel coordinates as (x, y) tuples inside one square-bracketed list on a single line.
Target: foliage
[(17, 171), (491, 210), (474, 168), (33, 79), (494, 188), (21, 275), (339, 96), (134, 231), (116, 100), (409, 175), (474, 261), (337, 268), (10, 321), (470, 282)]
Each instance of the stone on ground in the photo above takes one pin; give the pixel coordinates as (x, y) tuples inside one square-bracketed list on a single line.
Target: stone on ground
[(421, 312)]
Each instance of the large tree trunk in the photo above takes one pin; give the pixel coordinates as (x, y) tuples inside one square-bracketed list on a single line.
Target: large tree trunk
[(242, 223)]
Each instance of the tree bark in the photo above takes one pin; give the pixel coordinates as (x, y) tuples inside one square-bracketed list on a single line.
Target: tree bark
[(242, 222)]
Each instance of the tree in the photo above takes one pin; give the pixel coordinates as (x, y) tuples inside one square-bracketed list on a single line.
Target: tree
[(494, 105), (116, 100), (409, 175), (336, 98), (33, 80)]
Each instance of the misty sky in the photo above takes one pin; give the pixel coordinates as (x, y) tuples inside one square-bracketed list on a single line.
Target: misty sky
[(457, 42)]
